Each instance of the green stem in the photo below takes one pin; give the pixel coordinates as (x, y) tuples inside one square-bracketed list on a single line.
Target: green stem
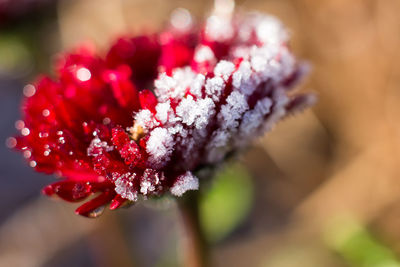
[(193, 241)]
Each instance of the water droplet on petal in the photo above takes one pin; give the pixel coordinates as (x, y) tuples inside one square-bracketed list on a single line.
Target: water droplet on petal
[(96, 212), (83, 74), (46, 112), (11, 142), (29, 90), (25, 131), (19, 124), (27, 154)]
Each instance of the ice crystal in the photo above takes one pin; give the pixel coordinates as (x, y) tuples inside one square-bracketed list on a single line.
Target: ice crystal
[(184, 183)]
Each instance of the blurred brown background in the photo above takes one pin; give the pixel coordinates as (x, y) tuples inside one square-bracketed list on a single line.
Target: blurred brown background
[(326, 183)]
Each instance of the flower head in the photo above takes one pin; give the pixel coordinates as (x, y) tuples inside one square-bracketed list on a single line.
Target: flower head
[(157, 109)]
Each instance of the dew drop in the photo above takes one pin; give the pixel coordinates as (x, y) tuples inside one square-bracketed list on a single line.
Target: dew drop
[(83, 74), (43, 134), (19, 124), (25, 131), (11, 142), (96, 212), (32, 163), (27, 154), (106, 120), (46, 112), (29, 90)]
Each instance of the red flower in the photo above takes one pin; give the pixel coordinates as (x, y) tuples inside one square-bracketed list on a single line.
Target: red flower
[(108, 128)]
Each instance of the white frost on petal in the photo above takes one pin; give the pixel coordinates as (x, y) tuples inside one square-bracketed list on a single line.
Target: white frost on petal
[(203, 53), (224, 69), (197, 85), (253, 119), (185, 182), (164, 85), (195, 112), (124, 186), (174, 86), (185, 110), (145, 118), (97, 146), (163, 109), (241, 78), (260, 57), (219, 28), (150, 180), (233, 110), (204, 111), (270, 30), (177, 129), (159, 146), (214, 87)]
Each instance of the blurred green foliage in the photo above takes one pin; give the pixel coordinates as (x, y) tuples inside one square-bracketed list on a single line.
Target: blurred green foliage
[(14, 53), (359, 248), (227, 203)]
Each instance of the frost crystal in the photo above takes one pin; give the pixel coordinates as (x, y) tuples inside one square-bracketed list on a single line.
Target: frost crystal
[(97, 146), (224, 69), (232, 111), (185, 182), (203, 53), (124, 186), (214, 87), (146, 119), (159, 146)]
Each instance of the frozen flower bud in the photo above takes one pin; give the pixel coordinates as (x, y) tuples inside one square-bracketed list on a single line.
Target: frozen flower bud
[(143, 120)]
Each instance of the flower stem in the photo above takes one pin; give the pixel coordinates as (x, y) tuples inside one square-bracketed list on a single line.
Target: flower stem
[(194, 245)]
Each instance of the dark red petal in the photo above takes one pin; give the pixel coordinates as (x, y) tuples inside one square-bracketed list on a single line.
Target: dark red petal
[(126, 147), (82, 175), (69, 190), (119, 137), (177, 50), (90, 208), (141, 53), (148, 100), (123, 89), (117, 202)]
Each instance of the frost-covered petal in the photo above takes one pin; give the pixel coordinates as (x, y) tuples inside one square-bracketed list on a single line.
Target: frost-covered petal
[(184, 183)]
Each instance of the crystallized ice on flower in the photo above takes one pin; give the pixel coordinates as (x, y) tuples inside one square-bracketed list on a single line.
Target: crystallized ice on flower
[(159, 108)]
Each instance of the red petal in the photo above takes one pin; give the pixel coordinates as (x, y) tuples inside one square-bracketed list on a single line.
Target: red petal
[(148, 100), (127, 148), (90, 208), (69, 190), (117, 202)]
